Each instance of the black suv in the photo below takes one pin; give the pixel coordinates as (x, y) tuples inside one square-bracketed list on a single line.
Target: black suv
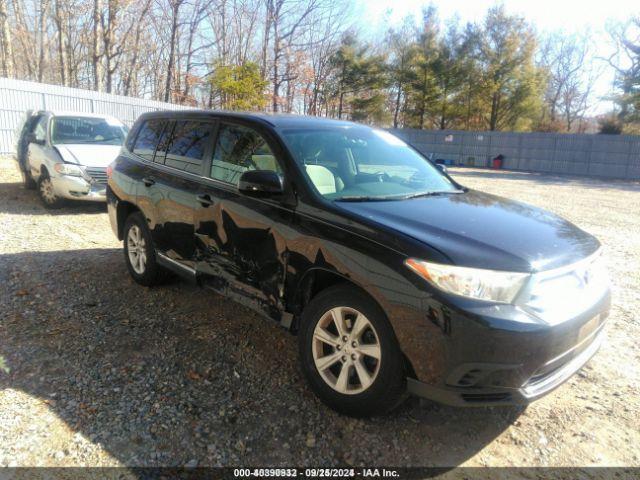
[(393, 275)]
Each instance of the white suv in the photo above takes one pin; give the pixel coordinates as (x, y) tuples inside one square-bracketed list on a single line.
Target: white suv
[(66, 154)]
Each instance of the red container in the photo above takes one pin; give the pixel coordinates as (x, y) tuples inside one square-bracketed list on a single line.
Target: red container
[(497, 163)]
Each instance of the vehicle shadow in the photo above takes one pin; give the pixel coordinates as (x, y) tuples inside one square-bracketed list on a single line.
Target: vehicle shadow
[(460, 173), (16, 200), (163, 376)]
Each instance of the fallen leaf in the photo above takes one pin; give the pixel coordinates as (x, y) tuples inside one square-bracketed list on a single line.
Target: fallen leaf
[(193, 375), (3, 365)]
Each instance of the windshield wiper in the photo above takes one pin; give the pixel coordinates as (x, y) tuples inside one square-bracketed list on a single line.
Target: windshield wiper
[(101, 140), (431, 193), (365, 198)]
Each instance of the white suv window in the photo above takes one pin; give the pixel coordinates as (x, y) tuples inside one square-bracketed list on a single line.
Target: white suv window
[(40, 130)]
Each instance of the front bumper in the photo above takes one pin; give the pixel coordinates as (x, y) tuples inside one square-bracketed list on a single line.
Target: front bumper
[(485, 357), (547, 378), (77, 188)]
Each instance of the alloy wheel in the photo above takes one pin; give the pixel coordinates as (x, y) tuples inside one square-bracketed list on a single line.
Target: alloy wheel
[(346, 350), (136, 248)]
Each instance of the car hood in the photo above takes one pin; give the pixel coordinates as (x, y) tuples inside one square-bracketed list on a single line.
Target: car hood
[(89, 155), (480, 230)]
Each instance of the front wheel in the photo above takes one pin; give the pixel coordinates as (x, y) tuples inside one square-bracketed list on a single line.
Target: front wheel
[(349, 353), (47, 193)]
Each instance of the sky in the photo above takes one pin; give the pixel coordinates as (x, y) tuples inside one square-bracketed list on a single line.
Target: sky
[(571, 16)]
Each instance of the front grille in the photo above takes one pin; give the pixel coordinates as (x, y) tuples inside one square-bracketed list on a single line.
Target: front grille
[(563, 293), (98, 174)]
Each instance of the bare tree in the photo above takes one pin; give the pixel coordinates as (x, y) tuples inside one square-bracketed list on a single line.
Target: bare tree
[(324, 37), (625, 60), (98, 49), (287, 18), (175, 24), (43, 14), (112, 50), (6, 50), (570, 78), (25, 42), (130, 73), (60, 17)]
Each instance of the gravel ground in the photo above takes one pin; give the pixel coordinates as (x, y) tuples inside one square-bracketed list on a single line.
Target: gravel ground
[(98, 371)]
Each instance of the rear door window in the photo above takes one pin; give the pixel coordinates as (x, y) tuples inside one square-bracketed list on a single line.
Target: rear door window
[(164, 142), (186, 148), (148, 138)]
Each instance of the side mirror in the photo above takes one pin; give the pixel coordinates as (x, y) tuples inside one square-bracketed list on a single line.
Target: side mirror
[(261, 183), (442, 168)]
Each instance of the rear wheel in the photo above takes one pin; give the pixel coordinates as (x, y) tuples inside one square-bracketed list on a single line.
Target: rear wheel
[(139, 252), (47, 193), (349, 353)]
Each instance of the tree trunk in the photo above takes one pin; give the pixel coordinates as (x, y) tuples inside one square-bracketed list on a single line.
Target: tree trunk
[(109, 41), (396, 110), (493, 120), (6, 61), (98, 71), (443, 110), (265, 38), (172, 49), (27, 46), (61, 24), (187, 80), (42, 30), (276, 79)]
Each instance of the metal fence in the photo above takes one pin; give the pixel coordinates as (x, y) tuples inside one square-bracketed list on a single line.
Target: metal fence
[(614, 156), (17, 96)]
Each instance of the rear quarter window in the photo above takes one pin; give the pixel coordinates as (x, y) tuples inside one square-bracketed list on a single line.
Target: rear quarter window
[(147, 139)]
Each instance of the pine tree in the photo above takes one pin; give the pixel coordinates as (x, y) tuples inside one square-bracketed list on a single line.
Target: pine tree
[(240, 87)]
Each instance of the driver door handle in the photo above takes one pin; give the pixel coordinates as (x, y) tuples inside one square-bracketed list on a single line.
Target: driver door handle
[(148, 181), (205, 200)]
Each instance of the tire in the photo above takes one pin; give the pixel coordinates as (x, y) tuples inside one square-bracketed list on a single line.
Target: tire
[(146, 270), (27, 180), (47, 196), (323, 364)]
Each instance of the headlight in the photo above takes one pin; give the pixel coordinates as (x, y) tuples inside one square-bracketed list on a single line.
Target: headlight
[(68, 169), (490, 285)]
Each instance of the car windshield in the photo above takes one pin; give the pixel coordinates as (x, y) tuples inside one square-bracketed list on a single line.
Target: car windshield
[(87, 130), (357, 163)]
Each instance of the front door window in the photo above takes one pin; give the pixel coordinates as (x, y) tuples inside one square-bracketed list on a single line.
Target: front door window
[(239, 149)]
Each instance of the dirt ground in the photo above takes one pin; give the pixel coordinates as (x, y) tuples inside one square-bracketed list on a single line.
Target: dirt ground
[(98, 371)]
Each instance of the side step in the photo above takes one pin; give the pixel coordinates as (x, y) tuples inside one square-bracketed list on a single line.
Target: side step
[(176, 267)]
